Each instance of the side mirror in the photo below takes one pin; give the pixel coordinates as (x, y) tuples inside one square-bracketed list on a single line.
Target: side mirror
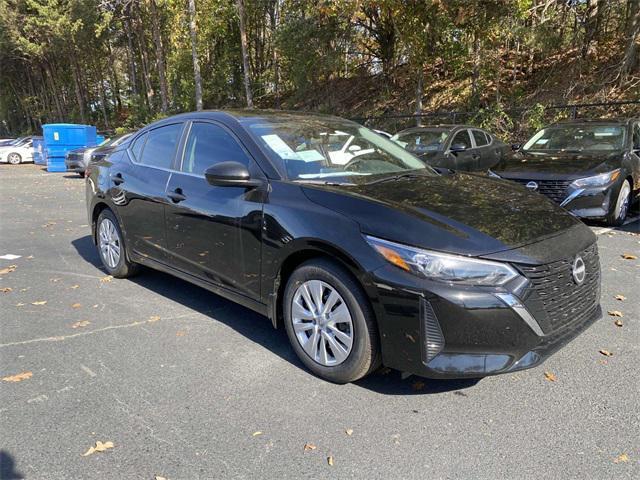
[(230, 174), (516, 146), (458, 147)]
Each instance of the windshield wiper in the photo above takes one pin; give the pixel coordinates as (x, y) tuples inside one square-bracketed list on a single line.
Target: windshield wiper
[(395, 177)]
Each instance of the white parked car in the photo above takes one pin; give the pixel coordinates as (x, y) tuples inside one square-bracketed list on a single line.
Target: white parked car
[(19, 151)]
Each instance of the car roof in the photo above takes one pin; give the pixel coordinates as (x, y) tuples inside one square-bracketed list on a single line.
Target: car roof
[(595, 121), (440, 126)]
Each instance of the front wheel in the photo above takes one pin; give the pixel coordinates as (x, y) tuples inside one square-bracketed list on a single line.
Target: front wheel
[(330, 323), (618, 210), (112, 248), (14, 158)]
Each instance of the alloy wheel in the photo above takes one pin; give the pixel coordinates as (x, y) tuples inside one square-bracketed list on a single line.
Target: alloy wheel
[(14, 159), (322, 323), (109, 242)]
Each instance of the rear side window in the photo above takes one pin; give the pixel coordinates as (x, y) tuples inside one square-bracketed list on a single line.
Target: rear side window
[(636, 136), (462, 137), (209, 144), (160, 146), (136, 148), (480, 138)]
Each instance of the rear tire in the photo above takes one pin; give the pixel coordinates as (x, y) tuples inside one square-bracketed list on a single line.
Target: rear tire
[(619, 208), (14, 158), (111, 247), (348, 323)]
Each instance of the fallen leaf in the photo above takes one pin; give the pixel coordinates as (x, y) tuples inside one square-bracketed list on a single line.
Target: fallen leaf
[(39, 302), (20, 304), (153, 318), (73, 287), (349, 431), (76, 305), (417, 385), (309, 446), (106, 279), (622, 458), (55, 280), (618, 323), (81, 323), (330, 460), (158, 477), (180, 333), (100, 447), (30, 257), (615, 313), (255, 434), (550, 376), (622, 298), (606, 353), (9, 269), (18, 378), (628, 256), (6, 289)]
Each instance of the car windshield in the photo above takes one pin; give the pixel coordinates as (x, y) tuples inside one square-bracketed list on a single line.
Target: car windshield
[(328, 149), (422, 140), (577, 138)]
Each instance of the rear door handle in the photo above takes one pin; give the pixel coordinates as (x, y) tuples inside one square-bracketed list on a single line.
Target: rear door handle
[(475, 156), (176, 196), (117, 179)]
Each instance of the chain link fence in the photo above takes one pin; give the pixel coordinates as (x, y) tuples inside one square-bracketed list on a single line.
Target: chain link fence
[(512, 125)]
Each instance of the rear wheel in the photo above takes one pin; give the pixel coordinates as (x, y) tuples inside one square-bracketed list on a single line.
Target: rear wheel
[(14, 158), (620, 207), (330, 323), (112, 248)]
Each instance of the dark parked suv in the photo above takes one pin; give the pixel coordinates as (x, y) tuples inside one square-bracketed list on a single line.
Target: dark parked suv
[(364, 254), (589, 167)]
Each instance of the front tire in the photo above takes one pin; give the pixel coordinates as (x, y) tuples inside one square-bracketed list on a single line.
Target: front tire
[(618, 210), (111, 247), (14, 158), (330, 323)]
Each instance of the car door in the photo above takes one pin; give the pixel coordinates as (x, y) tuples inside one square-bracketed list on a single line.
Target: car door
[(467, 159), (485, 148), (138, 189), (214, 232)]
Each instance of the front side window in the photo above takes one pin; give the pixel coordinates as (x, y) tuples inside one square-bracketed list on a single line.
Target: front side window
[(209, 144), (462, 138), (480, 138), (160, 146), (312, 148), (577, 138)]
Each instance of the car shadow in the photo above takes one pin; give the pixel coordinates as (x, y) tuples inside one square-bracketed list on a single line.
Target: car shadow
[(7, 467), (258, 328)]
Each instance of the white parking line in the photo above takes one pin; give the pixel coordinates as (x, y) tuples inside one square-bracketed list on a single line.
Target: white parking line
[(602, 230)]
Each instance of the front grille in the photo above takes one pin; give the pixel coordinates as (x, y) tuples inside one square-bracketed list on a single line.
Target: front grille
[(556, 190), (557, 300)]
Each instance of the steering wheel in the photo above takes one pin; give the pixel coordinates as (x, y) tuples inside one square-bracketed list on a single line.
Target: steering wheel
[(349, 166)]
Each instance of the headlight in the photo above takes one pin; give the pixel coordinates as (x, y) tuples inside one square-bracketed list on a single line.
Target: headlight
[(491, 173), (443, 267), (597, 180)]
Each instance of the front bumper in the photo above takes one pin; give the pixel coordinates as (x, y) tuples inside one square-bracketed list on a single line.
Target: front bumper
[(75, 164), (437, 330)]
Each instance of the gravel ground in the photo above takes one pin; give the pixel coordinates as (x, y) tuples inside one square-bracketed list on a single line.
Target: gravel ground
[(187, 385)]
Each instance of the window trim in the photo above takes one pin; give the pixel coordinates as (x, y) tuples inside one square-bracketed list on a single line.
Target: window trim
[(147, 132), (485, 134), (455, 134), (185, 141)]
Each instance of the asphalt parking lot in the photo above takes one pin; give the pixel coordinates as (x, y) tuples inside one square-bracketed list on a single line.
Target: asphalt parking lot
[(188, 385)]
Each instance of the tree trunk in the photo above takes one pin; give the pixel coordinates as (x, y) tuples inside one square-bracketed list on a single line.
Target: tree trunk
[(194, 54), (76, 79), (245, 53), (157, 39), (276, 65), (131, 56), (419, 94), (142, 48), (632, 50)]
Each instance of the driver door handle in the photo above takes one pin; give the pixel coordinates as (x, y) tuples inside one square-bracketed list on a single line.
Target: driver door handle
[(176, 196), (117, 179)]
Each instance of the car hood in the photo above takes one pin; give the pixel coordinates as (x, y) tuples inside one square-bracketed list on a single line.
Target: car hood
[(458, 213), (565, 164)]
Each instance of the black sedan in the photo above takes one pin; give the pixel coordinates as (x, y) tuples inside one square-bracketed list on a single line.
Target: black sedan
[(76, 160), (456, 147), (364, 254), (591, 168)]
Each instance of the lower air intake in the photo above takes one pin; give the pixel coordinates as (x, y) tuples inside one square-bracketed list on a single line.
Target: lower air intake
[(431, 332)]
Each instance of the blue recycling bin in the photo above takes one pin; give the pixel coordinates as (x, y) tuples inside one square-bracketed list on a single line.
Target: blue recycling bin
[(62, 137), (38, 151), (99, 139)]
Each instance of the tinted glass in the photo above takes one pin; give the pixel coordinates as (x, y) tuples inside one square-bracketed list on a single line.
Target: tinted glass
[(311, 148), (423, 140), (636, 136), (479, 137), (577, 138), (161, 146), (462, 137), (136, 148), (209, 144)]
